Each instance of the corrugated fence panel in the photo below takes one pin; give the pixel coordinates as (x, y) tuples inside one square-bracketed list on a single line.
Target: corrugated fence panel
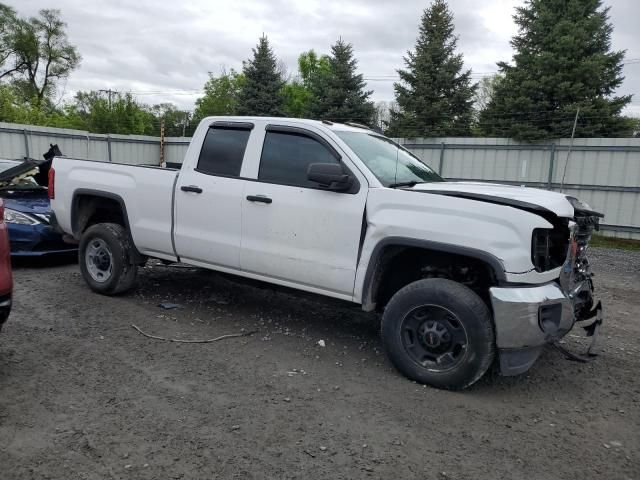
[(175, 149), (604, 172)]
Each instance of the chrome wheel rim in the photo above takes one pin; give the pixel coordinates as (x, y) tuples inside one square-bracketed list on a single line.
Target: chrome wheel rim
[(99, 260)]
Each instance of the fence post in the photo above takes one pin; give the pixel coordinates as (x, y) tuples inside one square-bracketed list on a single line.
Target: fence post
[(26, 142), (552, 160), (109, 146), (441, 164)]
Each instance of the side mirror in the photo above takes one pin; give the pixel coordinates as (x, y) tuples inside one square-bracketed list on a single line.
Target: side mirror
[(329, 175)]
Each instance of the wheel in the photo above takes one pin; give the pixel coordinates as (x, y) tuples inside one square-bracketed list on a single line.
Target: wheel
[(438, 332), (105, 259)]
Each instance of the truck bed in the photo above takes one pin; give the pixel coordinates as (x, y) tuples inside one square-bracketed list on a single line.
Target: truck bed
[(145, 192)]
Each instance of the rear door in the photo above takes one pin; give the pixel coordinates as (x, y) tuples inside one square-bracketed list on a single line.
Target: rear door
[(209, 198), (292, 229)]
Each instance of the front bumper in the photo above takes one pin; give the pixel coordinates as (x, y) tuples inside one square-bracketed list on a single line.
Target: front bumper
[(37, 240), (526, 319)]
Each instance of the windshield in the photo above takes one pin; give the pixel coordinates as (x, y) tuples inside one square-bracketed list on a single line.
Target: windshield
[(387, 160)]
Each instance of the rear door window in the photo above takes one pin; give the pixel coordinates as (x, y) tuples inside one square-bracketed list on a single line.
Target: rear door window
[(223, 150)]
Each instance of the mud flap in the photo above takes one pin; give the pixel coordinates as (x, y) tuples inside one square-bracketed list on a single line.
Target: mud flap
[(593, 331)]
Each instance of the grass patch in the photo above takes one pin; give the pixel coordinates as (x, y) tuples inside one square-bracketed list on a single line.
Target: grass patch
[(611, 242)]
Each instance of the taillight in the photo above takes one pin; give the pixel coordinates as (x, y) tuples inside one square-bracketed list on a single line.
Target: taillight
[(52, 184)]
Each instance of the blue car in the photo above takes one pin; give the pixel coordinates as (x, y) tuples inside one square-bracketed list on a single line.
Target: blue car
[(27, 210)]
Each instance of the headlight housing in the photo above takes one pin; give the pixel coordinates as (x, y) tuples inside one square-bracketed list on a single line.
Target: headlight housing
[(19, 218)]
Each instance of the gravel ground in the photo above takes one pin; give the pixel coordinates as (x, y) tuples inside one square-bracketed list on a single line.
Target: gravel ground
[(84, 396)]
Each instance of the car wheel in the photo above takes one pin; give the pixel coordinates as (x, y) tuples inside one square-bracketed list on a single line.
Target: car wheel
[(440, 333), (105, 259)]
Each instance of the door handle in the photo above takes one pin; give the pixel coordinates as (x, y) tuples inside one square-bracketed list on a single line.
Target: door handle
[(191, 188), (259, 198)]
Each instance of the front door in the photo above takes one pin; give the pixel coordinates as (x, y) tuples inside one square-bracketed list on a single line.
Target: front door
[(292, 229)]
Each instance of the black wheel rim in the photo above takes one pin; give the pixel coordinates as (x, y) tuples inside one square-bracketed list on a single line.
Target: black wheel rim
[(434, 337)]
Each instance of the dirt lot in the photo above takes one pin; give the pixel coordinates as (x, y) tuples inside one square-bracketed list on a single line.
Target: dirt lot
[(83, 395)]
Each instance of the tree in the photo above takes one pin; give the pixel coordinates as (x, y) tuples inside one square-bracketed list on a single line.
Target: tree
[(339, 93), (434, 96), (261, 91), (562, 62), (221, 95), (40, 54), (121, 114), (296, 98), (486, 91), (298, 93), (313, 68), (10, 27), (177, 123)]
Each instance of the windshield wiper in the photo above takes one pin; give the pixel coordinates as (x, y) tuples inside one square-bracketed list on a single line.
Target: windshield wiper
[(405, 184)]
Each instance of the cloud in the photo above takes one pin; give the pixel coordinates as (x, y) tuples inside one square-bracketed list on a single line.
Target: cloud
[(155, 46)]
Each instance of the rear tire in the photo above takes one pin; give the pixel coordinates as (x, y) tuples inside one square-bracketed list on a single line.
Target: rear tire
[(440, 333), (105, 258)]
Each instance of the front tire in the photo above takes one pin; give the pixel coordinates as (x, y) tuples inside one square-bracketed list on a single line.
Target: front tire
[(439, 332), (105, 258)]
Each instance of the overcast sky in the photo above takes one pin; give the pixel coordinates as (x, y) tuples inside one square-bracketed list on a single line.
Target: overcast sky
[(162, 50)]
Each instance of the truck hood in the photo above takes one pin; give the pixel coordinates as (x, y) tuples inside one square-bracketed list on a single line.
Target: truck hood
[(530, 199)]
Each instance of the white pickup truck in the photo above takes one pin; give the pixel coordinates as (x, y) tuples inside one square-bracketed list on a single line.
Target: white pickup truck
[(464, 273)]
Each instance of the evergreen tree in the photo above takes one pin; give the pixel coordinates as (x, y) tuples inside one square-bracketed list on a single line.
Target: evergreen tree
[(261, 91), (339, 93), (434, 97), (563, 61)]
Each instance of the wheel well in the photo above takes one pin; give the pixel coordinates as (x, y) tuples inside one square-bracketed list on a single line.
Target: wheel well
[(398, 266), (91, 209)]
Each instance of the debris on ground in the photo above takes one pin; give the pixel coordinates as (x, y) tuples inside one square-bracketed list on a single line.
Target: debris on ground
[(170, 306)]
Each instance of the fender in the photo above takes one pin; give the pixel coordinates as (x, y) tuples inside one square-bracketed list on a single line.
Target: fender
[(77, 223), (370, 278)]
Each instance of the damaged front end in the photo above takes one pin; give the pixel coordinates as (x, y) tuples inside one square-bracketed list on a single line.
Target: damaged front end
[(529, 318)]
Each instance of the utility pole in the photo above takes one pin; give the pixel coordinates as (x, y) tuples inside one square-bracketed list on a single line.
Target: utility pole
[(109, 94), (573, 135), (162, 162), (184, 125)]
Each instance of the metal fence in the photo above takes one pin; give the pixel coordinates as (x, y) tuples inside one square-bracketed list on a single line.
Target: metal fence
[(20, 141), (604, 172)]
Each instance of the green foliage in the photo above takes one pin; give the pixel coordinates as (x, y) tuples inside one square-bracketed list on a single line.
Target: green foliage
[(221, 95), (298, 94), (313, 68), (35, 53), (434, 97), (338, 92), (120, 114), (563, 61), (261, 91), (177, 123), (296, 98)]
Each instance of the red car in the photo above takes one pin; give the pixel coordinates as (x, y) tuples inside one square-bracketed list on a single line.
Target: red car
[(6, 279)]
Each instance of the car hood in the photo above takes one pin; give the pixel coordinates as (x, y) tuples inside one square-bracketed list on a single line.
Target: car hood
[(530, 199), (18, 168), (33, 201)]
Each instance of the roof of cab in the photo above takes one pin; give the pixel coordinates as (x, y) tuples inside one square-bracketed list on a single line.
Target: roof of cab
[(324, 123)]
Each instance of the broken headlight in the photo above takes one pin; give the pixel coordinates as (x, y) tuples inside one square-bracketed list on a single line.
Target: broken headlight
[(19, 218), (549, 247)]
